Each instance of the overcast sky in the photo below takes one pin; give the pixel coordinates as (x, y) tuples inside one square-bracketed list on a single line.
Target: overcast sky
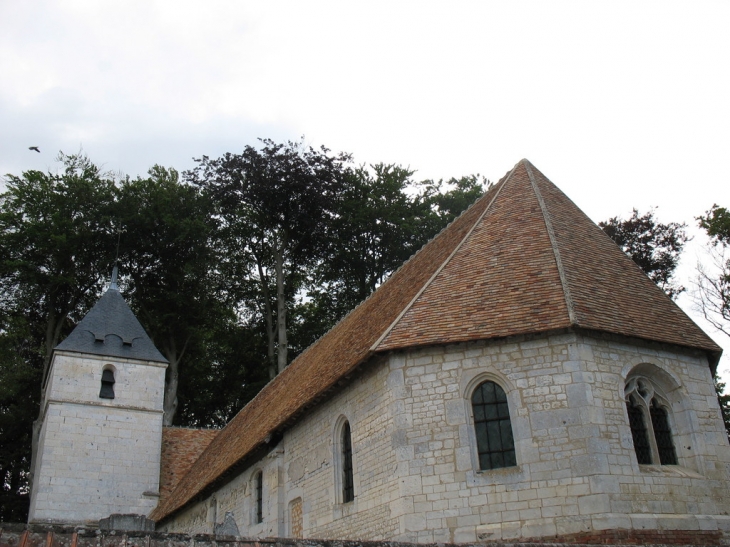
[(621, 104)]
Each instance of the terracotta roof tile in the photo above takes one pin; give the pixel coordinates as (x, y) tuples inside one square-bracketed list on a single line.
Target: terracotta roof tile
[(523, 259), (181, 447)]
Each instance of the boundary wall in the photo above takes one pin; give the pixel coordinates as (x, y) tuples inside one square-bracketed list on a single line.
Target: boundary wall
[(22, 535)]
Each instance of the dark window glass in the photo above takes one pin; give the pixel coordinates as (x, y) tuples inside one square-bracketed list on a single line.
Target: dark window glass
[(495, 443), (662, 434), (107, 384), (348, 489), (259, 487), (638, 432)]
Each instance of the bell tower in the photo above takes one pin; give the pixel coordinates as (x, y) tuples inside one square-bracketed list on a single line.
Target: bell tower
[(100, 440)]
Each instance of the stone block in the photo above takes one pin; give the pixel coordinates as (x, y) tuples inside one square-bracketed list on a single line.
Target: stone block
[(414, 522), (538, 528), (127, 522), (593, 504), (465, 535), (611, 521)]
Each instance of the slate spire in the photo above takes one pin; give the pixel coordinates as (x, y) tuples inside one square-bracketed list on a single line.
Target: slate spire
[(111, 329)]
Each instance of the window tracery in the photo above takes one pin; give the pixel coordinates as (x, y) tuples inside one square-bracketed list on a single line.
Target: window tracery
[(649, 419)]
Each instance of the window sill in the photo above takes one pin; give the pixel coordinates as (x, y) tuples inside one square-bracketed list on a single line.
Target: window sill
[(501, 475), (669, 471), (344, 509)]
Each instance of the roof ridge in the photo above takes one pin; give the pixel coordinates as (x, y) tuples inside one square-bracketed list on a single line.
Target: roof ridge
[(553, 243), (500, 183), (445, 262)]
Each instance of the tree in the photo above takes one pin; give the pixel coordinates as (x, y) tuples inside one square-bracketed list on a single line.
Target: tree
[(274, 204), (169, 256), (384, 216), (712, 295), (713, 282), (56, 245), (716, 223), (655, 247), (378, 225), (20, 367), (462, 193)]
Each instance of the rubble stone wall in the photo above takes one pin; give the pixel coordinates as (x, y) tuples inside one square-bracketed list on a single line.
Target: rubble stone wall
[(55, 536)]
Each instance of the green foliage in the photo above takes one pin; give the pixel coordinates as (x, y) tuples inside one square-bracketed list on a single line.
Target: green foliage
[(377, 226), (211, 266), (383, 218), (713, 286), (713, 280), (214, 389), (716, 223), (21, 363), (169, 260), (462, 193), (55, 242), (653, 246), (275, 205)]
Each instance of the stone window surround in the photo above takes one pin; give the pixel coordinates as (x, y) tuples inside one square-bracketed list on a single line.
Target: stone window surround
[(338, 463), (257, 489), (686, 431), (107, 391), (501, 445), (642, 392), (683, 422), (467, 435)]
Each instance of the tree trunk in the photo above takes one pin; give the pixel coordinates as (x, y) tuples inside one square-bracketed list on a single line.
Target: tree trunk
[(172, 380), (268, 312), (283, 353)]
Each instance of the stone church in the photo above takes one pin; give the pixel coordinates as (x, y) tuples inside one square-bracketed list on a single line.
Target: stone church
[(519, 377)]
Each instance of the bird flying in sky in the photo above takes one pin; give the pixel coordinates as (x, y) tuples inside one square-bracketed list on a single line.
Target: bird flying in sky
[(34, 148)]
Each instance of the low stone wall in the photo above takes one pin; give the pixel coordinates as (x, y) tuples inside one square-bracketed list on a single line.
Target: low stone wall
[(21, 535)]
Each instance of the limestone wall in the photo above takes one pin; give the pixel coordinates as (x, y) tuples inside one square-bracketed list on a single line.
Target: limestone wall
[(302, 467), (98, 456), (75, 377), (576, 470), (417, 477)]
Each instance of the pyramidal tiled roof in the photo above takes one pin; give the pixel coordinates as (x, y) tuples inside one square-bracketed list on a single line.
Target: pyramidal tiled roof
[(523, 259), (111, 329)]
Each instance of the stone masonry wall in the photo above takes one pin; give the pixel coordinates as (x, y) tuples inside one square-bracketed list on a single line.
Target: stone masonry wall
[(98, 456), (577, 470), (417, 477), (303, 467)]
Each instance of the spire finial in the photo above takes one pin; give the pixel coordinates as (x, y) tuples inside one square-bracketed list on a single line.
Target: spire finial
[(115, 274), (115, 270)]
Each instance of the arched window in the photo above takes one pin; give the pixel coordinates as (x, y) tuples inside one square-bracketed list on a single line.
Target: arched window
[(258, 492), (492, 426), (107, 383), (348, 487), (648, 414)]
